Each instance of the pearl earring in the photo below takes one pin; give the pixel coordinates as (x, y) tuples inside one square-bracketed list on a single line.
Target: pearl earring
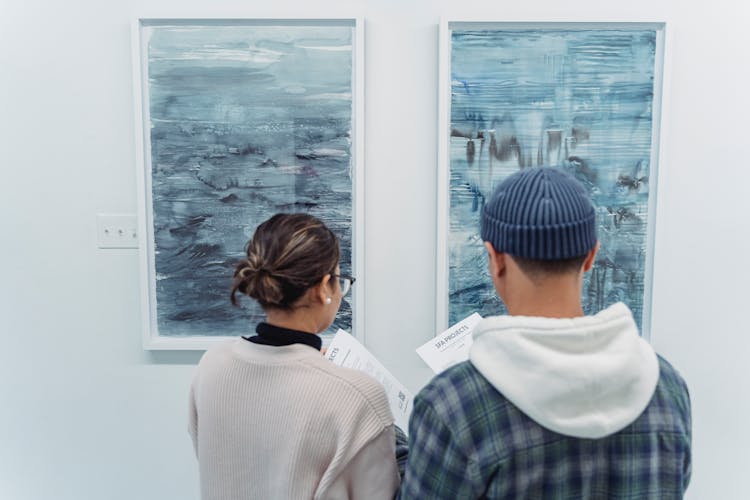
[(328, 300)]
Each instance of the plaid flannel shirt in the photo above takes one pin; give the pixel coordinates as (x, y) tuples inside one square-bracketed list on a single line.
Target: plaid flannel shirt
[(466, 440)]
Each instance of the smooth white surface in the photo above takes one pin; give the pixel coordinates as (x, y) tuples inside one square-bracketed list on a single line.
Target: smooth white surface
[(87, 414)]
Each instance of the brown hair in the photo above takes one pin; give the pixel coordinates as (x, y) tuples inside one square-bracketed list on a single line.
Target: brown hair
[(288, 254)]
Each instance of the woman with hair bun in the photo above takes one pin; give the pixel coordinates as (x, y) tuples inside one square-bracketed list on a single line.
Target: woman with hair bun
[(270, 418)]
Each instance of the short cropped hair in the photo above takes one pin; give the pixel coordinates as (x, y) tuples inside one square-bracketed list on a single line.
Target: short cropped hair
[(537, 270)]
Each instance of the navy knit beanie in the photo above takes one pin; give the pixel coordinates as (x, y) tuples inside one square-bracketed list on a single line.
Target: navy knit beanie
[(540, 213)]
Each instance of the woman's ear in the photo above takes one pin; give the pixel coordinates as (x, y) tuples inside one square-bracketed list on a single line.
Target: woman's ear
[(323, 291)]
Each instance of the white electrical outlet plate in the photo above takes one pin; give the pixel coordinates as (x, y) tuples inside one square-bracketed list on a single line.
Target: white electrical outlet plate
[(117, 231)]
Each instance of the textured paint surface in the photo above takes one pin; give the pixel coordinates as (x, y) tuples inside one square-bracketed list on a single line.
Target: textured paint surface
[(577, 99), (246, 121)]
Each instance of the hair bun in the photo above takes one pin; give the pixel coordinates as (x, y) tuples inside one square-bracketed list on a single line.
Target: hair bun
[(253, 278), (288, 254)]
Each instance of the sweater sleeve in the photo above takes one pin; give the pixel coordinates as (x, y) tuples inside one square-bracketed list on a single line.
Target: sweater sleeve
[(371, 474)]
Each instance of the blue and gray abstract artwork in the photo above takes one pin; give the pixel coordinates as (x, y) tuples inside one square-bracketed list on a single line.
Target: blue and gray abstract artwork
[(577, 99), (246, 121)]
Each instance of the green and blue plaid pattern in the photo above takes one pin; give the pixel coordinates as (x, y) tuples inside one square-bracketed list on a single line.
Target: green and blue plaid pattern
[(466, 440)]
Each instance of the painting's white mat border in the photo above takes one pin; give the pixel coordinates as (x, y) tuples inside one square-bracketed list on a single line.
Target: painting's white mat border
[(443, 175), (152, 340)]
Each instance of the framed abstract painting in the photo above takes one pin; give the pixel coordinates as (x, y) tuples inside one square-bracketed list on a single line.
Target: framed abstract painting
[(582, 97), (237, 120)]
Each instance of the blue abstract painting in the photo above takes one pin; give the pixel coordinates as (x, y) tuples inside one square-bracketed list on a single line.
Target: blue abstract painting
[(244, 120), (576, 98)]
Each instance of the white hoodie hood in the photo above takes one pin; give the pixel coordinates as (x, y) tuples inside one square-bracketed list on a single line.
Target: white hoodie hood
[(586, 377)]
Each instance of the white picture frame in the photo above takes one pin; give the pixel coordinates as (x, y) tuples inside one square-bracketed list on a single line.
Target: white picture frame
[(156, 338), (655, 157)]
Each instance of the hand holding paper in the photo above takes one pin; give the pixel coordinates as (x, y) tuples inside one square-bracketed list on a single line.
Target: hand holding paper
[(346, 351)]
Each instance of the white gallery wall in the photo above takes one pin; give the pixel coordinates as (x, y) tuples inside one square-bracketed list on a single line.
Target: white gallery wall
[(85, 413)]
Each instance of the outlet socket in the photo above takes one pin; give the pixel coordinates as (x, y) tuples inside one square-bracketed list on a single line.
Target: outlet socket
[(117, 231)]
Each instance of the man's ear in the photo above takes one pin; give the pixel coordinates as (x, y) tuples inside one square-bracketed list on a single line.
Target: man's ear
[(588, 263), (496, 260)]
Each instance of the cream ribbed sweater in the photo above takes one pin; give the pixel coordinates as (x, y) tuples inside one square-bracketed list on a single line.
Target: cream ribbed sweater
[(284, 423)]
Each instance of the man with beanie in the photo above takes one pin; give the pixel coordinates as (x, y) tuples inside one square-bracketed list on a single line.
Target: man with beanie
[(552, 404)]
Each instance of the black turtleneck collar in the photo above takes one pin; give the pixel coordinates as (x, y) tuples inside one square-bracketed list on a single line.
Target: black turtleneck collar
[(278, 336)]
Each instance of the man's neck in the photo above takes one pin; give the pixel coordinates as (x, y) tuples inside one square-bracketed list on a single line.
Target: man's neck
[(553, 308), (551, 299)]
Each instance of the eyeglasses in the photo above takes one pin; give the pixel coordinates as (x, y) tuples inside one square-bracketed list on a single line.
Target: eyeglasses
[(345, 282)]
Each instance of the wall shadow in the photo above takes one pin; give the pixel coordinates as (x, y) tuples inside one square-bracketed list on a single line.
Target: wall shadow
[(174, 357)]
